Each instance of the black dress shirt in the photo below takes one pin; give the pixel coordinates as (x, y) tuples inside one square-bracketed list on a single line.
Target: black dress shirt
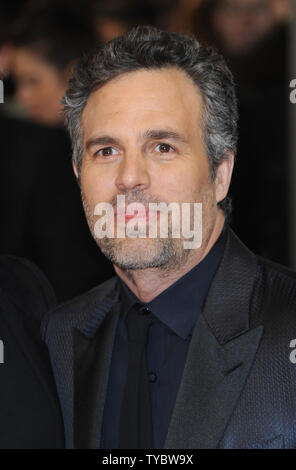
[(177, 309)]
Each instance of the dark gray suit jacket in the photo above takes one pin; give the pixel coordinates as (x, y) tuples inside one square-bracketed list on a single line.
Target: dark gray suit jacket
[(238, 388)]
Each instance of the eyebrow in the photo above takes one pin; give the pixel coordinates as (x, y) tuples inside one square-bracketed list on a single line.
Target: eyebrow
[(101, 140), (159, 134), (149, 134)]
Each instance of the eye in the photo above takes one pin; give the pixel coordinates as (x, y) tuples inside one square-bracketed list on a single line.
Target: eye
[(164, 148), (106, 152)]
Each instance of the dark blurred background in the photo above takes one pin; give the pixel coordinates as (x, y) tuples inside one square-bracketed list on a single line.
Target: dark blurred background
[(40, 209)]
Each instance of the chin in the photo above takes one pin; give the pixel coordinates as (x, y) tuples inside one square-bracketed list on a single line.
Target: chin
[(130, 251), (147, 253)]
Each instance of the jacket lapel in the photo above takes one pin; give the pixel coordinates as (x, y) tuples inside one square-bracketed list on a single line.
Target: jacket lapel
[(71, 334), (92, 357), (213, 379), (221, 354)]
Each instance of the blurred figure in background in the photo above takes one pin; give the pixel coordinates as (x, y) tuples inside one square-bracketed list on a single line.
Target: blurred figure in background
[(46, 47), (254, 40), (41, 214), (234, 26), (110, 19), (5, 51), (176, 16), (282, 10), (241, 24), (6, 57), (115, 17), (262, 85)]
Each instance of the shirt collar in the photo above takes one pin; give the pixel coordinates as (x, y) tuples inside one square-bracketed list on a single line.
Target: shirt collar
[(179, 305)]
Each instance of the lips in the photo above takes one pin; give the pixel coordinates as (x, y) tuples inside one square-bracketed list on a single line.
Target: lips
[(141, 214)]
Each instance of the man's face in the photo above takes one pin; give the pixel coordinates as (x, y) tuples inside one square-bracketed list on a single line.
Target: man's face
[(142, 139)]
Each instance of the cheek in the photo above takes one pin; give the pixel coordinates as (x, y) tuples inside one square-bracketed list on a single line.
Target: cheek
[(182, 182), (96, 185)]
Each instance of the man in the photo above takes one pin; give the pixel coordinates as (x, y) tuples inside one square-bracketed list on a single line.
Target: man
[(30, 416), (185, 347)]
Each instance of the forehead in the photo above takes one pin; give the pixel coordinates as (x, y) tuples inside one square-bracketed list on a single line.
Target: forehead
[(144, 98)]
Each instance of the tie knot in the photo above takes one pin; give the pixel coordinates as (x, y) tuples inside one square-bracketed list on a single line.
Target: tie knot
[(138, 321)]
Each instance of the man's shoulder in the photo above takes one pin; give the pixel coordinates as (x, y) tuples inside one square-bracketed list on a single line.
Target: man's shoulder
[(276, 277), (78, 309), (237, 249), (272, 287), (274, 268), (244, 277), (94, 295), (278, 284)]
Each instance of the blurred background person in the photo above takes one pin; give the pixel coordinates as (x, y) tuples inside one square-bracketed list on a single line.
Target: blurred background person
[(46, 44), (111, 19), (41, 213), (254, 40), (115, 17), (234, 26), (176, 15), (6, 54), (282, 10), (5, 51)]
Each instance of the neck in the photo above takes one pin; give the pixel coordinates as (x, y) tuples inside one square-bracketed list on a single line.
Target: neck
[(147, 284)]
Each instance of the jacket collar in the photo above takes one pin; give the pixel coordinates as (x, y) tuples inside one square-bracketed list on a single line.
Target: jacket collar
[(221, 354)]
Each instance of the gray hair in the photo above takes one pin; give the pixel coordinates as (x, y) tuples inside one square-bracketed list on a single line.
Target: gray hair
[(146, 47)]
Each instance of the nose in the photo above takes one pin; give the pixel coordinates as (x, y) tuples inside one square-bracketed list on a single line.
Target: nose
[(132, 173)]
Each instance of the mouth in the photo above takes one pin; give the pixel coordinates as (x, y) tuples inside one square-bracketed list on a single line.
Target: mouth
[(143, 214)]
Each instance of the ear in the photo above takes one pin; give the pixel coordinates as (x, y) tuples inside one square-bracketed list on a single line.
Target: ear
[(75, 169), (223, 176)]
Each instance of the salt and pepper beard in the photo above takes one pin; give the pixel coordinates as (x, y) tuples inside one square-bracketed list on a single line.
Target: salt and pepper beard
[(166, 254)]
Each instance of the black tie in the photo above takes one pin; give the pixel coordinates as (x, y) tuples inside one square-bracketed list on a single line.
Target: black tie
[(135, 430)]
